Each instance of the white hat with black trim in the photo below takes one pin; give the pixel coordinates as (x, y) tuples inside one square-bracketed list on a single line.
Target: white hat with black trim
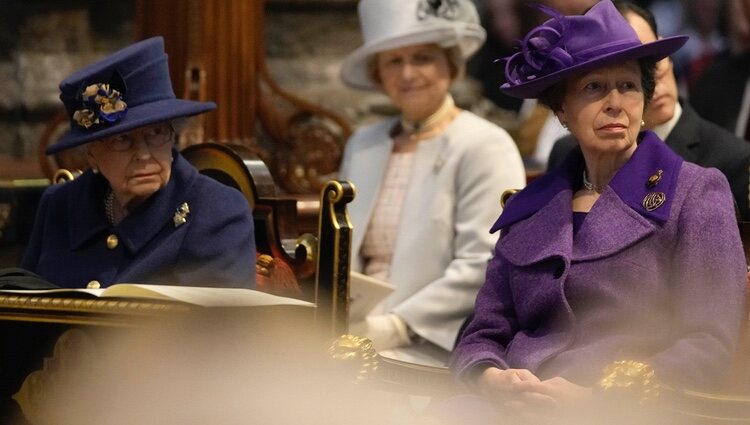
[(390, 24)]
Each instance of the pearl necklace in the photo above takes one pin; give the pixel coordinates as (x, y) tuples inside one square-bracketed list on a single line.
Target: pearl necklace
[(414, 128), (590, 186)]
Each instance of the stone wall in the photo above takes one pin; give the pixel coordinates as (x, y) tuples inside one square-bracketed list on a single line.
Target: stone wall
[(41, 42)]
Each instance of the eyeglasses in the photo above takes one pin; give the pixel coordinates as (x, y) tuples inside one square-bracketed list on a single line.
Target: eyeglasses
[(154, 137)]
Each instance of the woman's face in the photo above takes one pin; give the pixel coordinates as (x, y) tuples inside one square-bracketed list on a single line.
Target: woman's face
[(137, 163), (603, 108), (416, 78)]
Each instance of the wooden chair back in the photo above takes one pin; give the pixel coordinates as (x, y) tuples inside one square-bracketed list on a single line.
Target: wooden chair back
[(314, 267)]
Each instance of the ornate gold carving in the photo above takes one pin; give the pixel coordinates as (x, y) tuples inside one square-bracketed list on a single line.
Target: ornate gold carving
[(310, 157), (82, 311), (74, 348), (359, 355), (63, 176), (305, 142), (332, 279), (309, 243), (263, 264), (633, 378), (506, 195)]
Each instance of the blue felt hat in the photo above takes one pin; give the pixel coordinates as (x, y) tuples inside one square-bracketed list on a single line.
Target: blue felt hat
[(126, 90)]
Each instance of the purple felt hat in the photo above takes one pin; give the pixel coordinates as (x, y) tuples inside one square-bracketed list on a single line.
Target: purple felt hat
[(126, 90), (565, 45)]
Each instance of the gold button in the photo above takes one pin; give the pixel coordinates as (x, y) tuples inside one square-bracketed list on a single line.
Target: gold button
[(112, 241), (94, 284)]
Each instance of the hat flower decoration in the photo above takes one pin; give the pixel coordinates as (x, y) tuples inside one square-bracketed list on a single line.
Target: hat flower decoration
[(101, 104), (446, 9), (126, 90), (542, 51)]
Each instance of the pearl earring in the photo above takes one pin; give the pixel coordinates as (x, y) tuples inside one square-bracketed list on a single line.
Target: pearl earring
[(643, 123), (94, 170)]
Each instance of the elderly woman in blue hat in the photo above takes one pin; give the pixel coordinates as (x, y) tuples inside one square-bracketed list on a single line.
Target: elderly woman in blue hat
[(428, 181), (141, 213), (625, 259)]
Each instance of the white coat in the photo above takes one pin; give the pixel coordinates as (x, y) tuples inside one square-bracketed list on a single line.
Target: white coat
[(443, 243)]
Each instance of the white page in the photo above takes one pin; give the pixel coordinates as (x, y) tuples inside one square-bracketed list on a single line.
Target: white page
[(365, 292)]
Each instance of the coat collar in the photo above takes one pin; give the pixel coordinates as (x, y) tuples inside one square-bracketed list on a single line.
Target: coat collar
[(535, 212), (135, 231), (372, 161), (372, 157), (685, 135)]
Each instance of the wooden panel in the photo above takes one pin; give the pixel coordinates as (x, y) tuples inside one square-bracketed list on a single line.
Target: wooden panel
[(216, 52), (212, 47)]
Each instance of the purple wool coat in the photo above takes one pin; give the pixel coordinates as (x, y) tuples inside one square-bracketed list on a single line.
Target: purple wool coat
[(665, 287)]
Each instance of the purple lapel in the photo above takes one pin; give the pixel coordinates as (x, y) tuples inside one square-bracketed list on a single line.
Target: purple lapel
[(541, 216), (548, 233), (536, 195), (630, 183)]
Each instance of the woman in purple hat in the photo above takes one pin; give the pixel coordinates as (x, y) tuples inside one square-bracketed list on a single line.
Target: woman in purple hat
[(428, 180), (622, 267), (141, 213)]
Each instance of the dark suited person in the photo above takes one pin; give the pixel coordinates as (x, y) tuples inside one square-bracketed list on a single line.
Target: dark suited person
[(722, 94), (676, 122)]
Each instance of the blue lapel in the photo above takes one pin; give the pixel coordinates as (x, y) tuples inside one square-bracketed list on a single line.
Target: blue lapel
[(158, 211), (86, 209)]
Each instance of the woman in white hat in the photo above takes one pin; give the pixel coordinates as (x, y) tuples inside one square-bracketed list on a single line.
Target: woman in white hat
[(428, 181)]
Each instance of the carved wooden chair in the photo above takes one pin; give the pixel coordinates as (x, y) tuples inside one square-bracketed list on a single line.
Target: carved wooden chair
[(314, 267), (291, 261)]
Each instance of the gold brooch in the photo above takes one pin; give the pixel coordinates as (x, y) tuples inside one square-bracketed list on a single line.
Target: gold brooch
[(654, 200), (654, 179), (180, 216)]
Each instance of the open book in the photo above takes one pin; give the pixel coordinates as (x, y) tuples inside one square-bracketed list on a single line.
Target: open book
[(201, 296), (365, 293)]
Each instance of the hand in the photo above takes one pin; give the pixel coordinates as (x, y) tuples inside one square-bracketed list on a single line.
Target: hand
[(531, 399), (552, 393), (496, 383), (553, 401), (385, 331)]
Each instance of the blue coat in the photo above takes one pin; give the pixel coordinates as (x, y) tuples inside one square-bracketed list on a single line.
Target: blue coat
[(665, 287), (214, 247)]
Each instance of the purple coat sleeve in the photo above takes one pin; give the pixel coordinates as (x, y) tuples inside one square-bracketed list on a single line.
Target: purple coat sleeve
[(708, 287), (493, 326)]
